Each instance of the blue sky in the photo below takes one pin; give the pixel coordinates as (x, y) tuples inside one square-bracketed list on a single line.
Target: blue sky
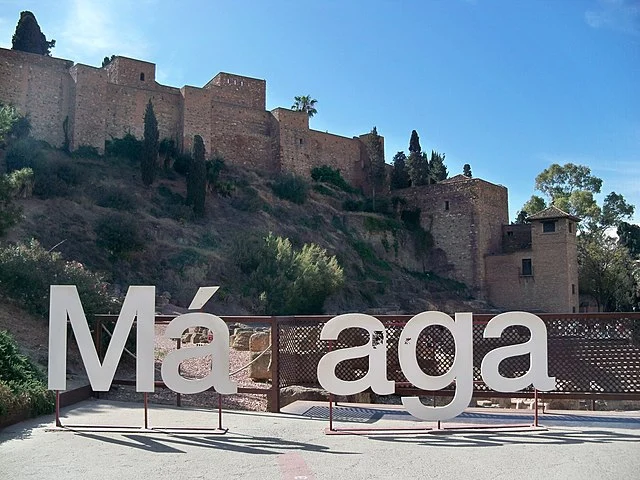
[(508, 86)]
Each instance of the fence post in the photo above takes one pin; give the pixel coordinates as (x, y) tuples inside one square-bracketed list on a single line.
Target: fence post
[(275, 366)]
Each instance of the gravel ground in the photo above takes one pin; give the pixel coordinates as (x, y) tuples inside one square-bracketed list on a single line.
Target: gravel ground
[(192, 368)]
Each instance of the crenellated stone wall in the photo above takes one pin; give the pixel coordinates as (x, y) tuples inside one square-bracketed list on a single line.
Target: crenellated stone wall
[(228, 112)]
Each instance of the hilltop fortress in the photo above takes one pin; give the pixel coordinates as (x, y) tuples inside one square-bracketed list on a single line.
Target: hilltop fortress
[(525, 267), (228, 112)]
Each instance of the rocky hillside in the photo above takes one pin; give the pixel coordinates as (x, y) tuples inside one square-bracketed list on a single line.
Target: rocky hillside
[(97, 211)]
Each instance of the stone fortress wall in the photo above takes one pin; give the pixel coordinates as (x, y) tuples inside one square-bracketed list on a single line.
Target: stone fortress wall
[(229, 112), (467, 217)]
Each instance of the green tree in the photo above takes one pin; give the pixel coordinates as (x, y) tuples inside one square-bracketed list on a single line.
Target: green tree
[(107, 60), (167, 149), (418, 162), (466, 170), (149, 163), (629, 235), (399, 174), (377, 169), (10, 213), (606, 272), (437, 168), (418, 166), (414, 143), (290, 281), (534, 205), (572, 188), (197, 177), (29, 38), (305, 103)]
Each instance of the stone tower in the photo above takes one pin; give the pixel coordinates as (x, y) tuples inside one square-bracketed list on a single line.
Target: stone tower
[(538, 269)]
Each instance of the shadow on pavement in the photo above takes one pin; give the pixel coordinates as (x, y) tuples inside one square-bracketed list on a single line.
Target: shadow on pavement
[(232, 442), (500, 439)]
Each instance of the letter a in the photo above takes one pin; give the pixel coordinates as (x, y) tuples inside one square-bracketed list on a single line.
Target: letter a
[(536, 347), (375, 349)]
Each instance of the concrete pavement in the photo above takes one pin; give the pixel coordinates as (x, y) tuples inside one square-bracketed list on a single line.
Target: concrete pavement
[(287, 446)]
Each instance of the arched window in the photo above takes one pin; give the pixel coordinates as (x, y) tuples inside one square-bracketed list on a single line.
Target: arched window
[(142, 76)]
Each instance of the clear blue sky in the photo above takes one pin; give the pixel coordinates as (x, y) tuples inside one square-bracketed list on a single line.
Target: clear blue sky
[(507, 86)]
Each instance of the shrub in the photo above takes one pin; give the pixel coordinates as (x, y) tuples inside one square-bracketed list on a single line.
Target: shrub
[(181, 164), (126, 147), (330, 175), (291, 187), (351, 205), (27, 271), (293, 281), (324, 190), (56, 178), (115, 197), (118, 233), (22, 384), (10, 213), (25, 153), (249, 200), (86, 151)]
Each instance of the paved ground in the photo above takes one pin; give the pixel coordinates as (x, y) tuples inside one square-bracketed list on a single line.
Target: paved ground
[(294, 446)]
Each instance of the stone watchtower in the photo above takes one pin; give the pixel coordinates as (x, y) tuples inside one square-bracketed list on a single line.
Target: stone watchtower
[(538, 269)]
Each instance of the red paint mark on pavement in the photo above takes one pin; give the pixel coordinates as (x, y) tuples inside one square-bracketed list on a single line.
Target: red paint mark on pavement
[(293, 467)]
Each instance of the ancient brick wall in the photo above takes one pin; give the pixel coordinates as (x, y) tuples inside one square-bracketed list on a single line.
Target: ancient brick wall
[(242, 135), (131, 72), (238, 90), (126, 106), (516, 237), (551, 286), (39, 86), (196, 112), (465, 217), (90, 106), (302, 149)]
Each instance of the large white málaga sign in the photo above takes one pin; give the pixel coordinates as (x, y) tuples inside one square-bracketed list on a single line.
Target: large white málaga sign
[(139, 304)]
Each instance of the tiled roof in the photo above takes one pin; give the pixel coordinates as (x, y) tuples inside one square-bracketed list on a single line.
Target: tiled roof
[(551, 213)]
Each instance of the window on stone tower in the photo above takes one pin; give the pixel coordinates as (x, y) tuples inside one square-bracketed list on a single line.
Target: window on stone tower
[(548, 227), (570, 227), (142, 76), (527, 268), (446, 205)]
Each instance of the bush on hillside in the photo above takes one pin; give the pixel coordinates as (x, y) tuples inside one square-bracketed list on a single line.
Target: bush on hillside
[(118, 233), (291, 187), (86, 151), (333, 176), (52, 177), (27, 271), (22, 384), (382, 205), (10, 213), (291, 281), (126, 147), (115, 197)]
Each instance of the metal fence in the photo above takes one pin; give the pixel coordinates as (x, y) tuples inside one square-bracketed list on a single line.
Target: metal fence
[(591, 355)]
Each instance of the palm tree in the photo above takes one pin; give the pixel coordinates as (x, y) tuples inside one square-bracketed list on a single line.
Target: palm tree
[(305, 103)]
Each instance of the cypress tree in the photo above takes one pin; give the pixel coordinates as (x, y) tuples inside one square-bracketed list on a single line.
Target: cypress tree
[(149, 162), (466, 170), (414, 143), (29, 38), (377, 170), (418, 166), (437, 168), (197, 177), (399, 174)]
